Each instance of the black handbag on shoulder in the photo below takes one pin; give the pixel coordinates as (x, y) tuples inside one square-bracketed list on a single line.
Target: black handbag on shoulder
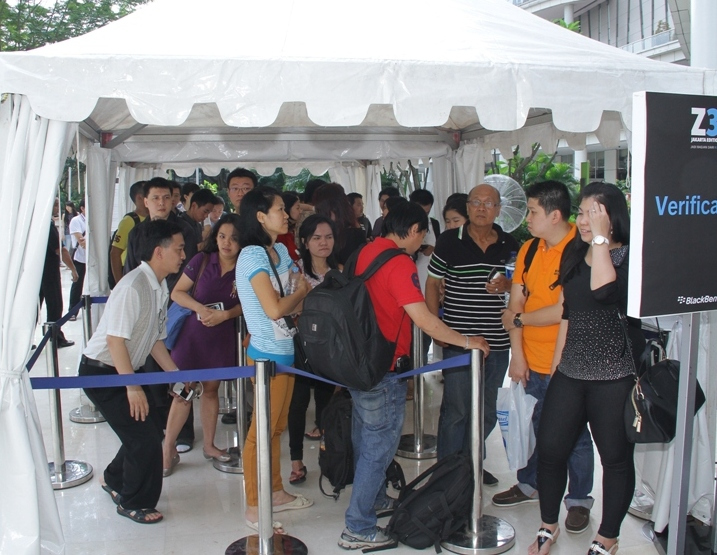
[(651, 407)]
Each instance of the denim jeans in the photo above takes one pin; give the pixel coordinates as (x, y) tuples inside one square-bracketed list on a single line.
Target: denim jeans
[(581, 464), (375, 433), (454, 419)]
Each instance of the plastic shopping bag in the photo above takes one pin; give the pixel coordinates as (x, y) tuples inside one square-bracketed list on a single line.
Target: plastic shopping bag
[(515, 413)]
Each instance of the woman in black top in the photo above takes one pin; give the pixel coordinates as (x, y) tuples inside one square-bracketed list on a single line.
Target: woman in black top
[(592, 368), (330, 201)]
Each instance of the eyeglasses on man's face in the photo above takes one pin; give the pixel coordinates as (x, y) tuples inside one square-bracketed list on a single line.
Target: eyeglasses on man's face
[(476, 203)]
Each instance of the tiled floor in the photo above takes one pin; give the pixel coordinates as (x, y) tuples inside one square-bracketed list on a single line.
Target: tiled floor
[(204, 508)]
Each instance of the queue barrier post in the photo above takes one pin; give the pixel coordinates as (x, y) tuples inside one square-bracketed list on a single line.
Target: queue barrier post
[(267, 542), (417, 445), (86, 413), (483, 534), (63, 473), (235, 466)]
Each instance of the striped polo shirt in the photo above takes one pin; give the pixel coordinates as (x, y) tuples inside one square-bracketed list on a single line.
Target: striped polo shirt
[(467, 307)]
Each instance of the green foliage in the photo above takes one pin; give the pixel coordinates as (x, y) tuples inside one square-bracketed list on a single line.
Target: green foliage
[(574, 26), (30, 23), (405, 180)]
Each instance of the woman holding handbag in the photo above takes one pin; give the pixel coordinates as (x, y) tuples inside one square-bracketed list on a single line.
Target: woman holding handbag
[(262, 277), (593, 368), (207, 338)]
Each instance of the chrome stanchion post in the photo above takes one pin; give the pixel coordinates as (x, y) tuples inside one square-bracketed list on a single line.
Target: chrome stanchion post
[(417, 445), (268, 542), (63, 473), (483, 533), (235, 466), (86, 414)]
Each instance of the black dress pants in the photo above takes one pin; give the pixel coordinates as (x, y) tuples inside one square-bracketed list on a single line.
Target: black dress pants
[(76, 289), (163, 401), (51, 294), (570, 404), (136, 470), (297, 411)]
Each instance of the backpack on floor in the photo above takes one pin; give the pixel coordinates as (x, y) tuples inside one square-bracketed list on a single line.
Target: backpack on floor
[(338, 329), (434, 505), (336, 452)]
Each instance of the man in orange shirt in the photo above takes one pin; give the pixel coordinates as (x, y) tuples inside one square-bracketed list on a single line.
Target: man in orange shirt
[(532, 320)]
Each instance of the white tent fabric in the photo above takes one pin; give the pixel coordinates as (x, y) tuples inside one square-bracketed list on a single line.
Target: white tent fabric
[(33, 151)]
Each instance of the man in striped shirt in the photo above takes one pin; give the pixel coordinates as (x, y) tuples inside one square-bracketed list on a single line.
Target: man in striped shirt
[(464, 258)]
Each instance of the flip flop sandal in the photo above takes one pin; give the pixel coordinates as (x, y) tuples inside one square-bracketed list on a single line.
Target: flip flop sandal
[(545, 535), (299, 503), (276, 525), (313, 435), (139, 515), (597, 548), (113, 494), (298, 476)]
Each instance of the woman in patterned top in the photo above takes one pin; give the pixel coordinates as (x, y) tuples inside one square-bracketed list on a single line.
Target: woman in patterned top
[(316, 239), (593, 370)]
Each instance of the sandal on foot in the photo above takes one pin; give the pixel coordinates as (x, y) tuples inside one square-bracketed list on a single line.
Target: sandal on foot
[(313, 435), (298, 476), (299, 503), (276, 525), (140, 515), (113, 494), (545, 536), (166, 472), (597, 548)]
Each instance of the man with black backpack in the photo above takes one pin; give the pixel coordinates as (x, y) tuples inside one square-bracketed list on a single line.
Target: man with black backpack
[(378, 413), (532, 320), (118, 247)]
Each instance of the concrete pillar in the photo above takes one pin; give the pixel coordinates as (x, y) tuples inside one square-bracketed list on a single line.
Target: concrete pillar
[(568, 13), (703, 50), (580, 157), (611, 166)]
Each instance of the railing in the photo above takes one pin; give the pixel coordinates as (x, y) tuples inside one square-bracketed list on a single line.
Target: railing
[(654, 41)]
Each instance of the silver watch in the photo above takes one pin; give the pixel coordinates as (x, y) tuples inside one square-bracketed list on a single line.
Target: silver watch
[(599, 240)]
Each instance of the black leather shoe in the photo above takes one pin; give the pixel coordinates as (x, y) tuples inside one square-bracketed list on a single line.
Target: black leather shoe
[(489, 479), (62, 343), (229, 418)]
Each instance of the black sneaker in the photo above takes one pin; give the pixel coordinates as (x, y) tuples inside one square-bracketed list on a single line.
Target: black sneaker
[(349, 540), (229, 418), (489, 479)]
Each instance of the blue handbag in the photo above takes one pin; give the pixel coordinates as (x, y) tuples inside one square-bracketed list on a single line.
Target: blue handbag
[(177, 314)]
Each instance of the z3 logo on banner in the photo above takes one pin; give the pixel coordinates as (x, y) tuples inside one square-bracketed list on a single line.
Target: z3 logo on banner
[(697, 129)]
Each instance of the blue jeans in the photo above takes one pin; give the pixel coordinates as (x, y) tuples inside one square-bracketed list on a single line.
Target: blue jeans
[(375, 433), (581, 464), (454, 419)]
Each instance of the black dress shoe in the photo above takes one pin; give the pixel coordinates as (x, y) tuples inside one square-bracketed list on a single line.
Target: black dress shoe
[(229, 418), (62, 343), (489, 479)]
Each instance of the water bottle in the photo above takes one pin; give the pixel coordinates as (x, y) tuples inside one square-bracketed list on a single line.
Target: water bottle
[(294, 276), (509, 269)]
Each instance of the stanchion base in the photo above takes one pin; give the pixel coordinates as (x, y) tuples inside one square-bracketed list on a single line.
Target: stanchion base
[(84, 415), (495, 536), (407, 447), (76, 473), (234, 466), (286, 545)]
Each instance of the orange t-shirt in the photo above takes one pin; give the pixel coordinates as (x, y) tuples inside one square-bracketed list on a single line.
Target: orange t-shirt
[(539, 341)]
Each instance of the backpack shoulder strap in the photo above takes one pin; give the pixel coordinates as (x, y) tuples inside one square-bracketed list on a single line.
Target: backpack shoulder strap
[(379, 261), (134, 216), (532, 249)]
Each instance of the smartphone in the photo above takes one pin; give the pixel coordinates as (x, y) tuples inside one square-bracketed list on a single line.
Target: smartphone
[(178, 388), (494, 272), (213, 306)]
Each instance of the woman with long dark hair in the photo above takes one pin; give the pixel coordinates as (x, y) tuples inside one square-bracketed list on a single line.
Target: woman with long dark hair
[(316, 243), (262, 277), (331, 202), (207, 339), (292, 205), (592, 368)]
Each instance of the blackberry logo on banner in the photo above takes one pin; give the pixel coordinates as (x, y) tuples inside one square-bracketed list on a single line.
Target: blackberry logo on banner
[(674, 199), (704, 128)]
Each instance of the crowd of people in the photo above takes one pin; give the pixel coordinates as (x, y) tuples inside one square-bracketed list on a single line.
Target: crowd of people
[(560, 334)]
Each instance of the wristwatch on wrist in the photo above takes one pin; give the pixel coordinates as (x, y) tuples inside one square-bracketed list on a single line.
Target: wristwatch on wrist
[(517, 322), (599, 240)]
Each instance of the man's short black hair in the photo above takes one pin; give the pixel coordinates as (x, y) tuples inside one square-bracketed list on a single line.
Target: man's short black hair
[(392, 202), (389, 191), (188, 189), (353, 196), (310, 189), (402, 217), (157, 233), (551, 195), (82, 204), (175, 186), (156, 183), (203, 197), (242, 172), (136, 189), (422, 197)]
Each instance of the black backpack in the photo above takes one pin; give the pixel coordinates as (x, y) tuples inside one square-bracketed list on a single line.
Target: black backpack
[(338, 329), (434, 505), (336, 452), (110, 275)]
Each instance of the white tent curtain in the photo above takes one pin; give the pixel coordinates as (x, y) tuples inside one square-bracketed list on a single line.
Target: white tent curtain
[(373, 188), (469, 164), (100, 202), (352, 177), (441, 176), (127, 176), (33, 152)]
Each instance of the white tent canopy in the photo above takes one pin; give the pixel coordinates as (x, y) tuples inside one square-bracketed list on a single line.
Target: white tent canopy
[(316, 83)]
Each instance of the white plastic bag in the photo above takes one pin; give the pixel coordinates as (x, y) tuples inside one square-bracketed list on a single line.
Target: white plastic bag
[(515, 413)]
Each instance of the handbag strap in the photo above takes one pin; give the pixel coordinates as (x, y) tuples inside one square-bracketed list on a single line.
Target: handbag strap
[(623, 324), (276, 273), (205, 261)]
